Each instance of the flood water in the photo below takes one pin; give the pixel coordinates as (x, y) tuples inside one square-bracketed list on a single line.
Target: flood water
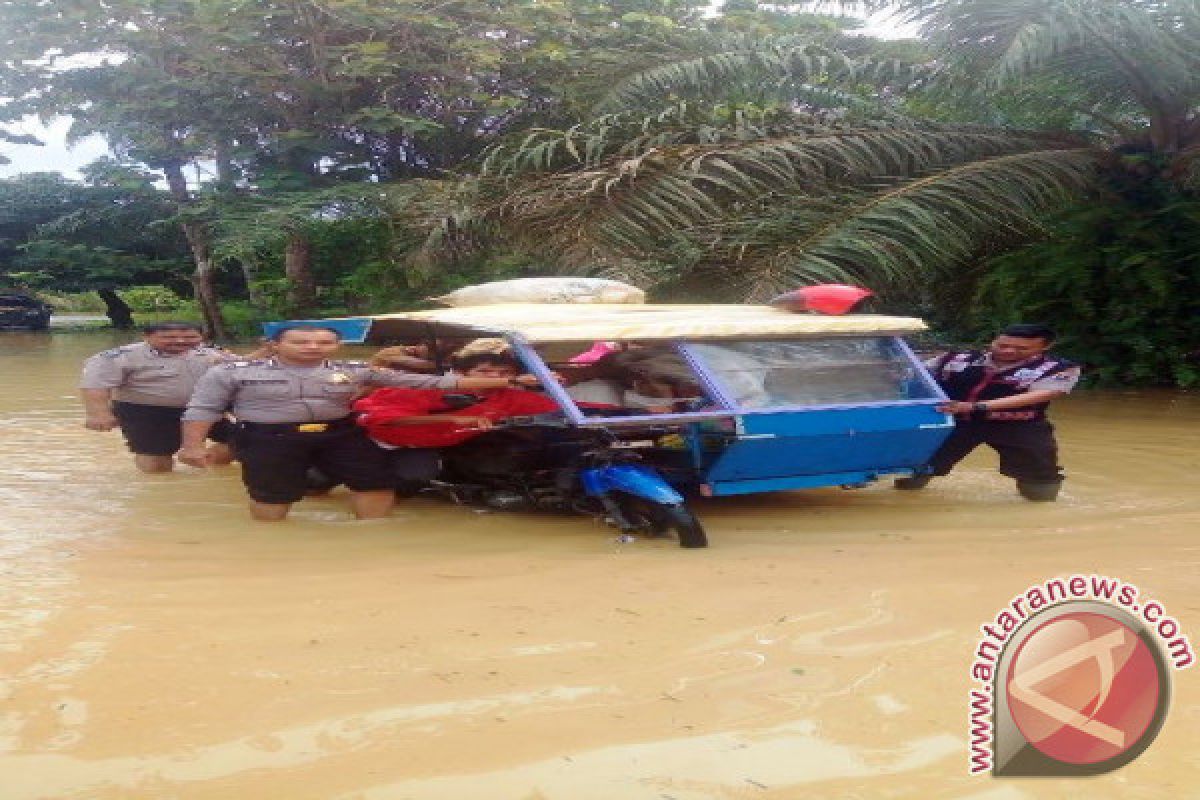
[(154, 643)]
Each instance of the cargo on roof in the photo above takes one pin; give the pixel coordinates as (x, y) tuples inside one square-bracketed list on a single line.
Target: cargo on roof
[(537, 322)]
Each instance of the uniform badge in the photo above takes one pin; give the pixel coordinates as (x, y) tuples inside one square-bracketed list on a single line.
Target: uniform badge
[(339, 377)]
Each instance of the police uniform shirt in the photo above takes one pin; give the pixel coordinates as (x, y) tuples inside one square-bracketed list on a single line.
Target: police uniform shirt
[(137, 373), (267, 392), (1029, 379)]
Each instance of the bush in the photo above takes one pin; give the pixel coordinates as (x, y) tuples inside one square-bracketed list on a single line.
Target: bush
[(1119, 282), (74, 303), (152, 298)]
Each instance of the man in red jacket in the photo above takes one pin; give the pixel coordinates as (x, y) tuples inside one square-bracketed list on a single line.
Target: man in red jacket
[(417, 422), (424, 418)]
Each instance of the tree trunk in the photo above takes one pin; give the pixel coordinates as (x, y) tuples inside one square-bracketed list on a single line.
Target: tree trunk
[(297, 267), (253, 290), (116, 309), (1166, 128), (198, 241)]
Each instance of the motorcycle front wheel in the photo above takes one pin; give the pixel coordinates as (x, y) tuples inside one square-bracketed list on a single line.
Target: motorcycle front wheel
[(661, 520)]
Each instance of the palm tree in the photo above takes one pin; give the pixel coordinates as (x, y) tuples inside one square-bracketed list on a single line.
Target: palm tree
[(763, 164)]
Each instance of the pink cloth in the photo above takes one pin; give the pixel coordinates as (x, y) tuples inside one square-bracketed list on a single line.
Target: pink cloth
[(599, 350)]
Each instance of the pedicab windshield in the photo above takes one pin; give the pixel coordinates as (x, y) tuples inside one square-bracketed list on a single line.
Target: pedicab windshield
[(805, 373)]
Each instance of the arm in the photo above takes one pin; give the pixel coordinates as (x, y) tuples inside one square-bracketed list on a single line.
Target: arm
[(432, 419), (1004, 403), (101, 374), (97, 409), (380, 376), (213, 394), (496, 383), (194, 451)]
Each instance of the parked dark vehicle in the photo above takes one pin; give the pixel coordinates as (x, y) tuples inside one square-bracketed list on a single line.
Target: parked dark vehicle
[(19, 310)]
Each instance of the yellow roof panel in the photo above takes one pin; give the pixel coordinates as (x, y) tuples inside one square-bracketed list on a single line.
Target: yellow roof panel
[(541, 322)]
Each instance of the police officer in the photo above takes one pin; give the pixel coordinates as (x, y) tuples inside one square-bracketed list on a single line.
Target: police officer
[(144, 387), (293, 413), (999, 398)]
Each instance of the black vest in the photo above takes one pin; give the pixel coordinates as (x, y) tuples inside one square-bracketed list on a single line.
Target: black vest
[(964, 377)]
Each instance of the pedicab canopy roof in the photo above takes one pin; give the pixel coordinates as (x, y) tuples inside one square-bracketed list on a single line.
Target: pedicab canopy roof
[(578, 322)]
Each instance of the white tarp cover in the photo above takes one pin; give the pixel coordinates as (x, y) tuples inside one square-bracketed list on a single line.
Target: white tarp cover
[(543, 290), (586, 323)]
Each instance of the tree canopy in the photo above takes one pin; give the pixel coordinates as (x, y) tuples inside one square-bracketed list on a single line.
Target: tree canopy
[(322, 150)]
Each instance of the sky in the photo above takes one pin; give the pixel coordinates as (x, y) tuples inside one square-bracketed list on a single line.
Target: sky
[(57, 156)]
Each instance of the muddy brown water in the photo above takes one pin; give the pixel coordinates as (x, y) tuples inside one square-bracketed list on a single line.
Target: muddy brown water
[(154, 643)]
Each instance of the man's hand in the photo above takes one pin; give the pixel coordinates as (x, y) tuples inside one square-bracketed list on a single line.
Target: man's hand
[(194, 455), (956, 407), (474, 423), (100, 421)]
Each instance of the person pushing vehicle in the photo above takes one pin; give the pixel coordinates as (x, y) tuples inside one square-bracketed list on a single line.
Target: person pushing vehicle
[(294, 412), (999, 397)]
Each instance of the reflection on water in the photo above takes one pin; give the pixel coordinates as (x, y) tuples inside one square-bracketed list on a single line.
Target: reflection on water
[(155, 643)]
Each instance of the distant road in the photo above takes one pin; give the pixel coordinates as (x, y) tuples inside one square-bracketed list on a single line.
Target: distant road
[(70, 320)]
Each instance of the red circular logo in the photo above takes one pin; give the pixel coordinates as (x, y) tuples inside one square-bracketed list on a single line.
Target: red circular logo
[(1083, 688)]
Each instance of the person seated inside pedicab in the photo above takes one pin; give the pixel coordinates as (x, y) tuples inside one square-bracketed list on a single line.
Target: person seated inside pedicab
[(424, 357), (641, 380), (417, 423)]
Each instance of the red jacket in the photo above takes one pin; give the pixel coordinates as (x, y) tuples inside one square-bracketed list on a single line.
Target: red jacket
[(383, 405)]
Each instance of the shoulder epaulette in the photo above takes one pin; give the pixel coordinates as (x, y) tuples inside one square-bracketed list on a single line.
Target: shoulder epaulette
[(236, 364), (349, 363), (116, 351)]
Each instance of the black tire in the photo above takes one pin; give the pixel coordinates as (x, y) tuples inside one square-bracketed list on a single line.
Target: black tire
[(658, 520)]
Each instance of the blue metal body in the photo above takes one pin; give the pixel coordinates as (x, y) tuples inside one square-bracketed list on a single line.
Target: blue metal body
[(731, 450), (822, 447), (633, 479)]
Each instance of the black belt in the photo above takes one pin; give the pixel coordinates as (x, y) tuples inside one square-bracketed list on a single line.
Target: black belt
[(299, 427)]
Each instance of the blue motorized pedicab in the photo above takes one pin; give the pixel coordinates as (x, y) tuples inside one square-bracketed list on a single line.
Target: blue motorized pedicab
[(757, 399)]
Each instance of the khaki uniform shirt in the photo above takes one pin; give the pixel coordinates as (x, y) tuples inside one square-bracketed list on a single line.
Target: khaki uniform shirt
[(137, 373), (270, 392)]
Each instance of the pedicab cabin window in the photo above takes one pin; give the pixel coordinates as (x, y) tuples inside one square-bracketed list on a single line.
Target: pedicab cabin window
[(835, 371)]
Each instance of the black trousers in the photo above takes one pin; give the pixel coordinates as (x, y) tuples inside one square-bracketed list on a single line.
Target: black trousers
[(155, 430), (275, 463), (1028, 451)]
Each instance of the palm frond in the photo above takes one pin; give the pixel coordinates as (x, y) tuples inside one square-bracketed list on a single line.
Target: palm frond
[(1143, 47), (627, 205), (919, 227), (774, 67)]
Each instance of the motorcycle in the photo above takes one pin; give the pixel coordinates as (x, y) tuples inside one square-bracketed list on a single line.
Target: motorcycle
[(543, 463)]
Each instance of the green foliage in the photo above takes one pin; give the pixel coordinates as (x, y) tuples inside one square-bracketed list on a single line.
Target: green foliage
[(73, 302), (244, 320), (838, 177), (152, 298), (1119, 280), (365, 154), (61, 234)]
